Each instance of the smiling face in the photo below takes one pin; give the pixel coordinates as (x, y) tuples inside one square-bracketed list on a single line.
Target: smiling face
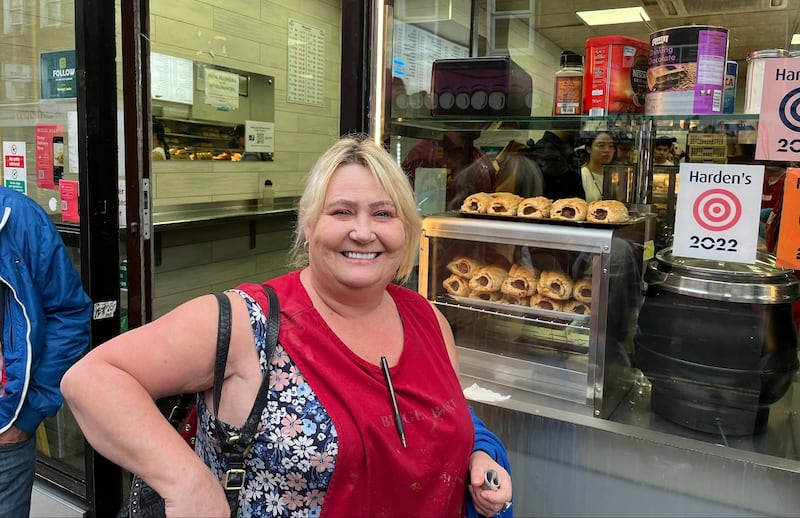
[(358, 240)]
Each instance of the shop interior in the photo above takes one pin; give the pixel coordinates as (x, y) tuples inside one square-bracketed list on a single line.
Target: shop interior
[(669, 349)]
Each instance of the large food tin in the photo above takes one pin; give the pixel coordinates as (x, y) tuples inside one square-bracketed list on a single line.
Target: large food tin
[(756, 61), (717, 341), (616, 75), (686, 70)]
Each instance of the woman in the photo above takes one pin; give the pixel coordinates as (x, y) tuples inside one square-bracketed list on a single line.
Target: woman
[(160, 149), (600, 151), (327, 442)]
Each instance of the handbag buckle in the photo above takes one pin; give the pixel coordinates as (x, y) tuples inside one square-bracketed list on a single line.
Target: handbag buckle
[(177, 414), (234, 479)]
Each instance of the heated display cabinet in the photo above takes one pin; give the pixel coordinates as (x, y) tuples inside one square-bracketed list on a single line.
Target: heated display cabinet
[(579, 361)]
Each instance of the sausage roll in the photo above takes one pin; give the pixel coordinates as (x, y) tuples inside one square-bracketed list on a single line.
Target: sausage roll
[(607, 211), (463, 266), (513, 299), (521, 281), (488, 278), (569, 209), (457, 286), (538, 207), (477, 203), (542, 302), (504, 204), (491, 296), (555, 284), (577, 307), (582, 290)]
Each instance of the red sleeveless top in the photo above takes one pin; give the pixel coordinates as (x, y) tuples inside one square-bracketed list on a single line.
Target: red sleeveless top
[(374, 475)]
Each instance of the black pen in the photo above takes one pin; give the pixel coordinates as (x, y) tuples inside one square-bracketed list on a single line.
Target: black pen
[(398, 419)]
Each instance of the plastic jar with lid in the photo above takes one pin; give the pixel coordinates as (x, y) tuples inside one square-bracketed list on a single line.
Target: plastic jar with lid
[(568, 96)]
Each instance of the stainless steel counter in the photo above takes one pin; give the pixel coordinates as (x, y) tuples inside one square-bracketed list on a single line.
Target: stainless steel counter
[(169, 217), (567, 463)]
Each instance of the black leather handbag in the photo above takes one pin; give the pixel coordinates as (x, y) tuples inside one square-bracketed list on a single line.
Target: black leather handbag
[(144, 501)]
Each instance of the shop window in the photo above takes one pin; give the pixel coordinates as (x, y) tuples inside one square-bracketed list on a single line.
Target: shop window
[(510, 26), (13, 16), (50, 13), (17, 82)]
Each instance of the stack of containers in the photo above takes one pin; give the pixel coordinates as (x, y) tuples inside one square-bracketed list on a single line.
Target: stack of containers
[(707, 148)]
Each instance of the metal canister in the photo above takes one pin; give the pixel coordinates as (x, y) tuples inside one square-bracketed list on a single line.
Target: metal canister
[(756, 62), (686, 70)]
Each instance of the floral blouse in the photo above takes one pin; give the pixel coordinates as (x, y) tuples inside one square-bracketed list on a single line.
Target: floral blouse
[(291, 461)]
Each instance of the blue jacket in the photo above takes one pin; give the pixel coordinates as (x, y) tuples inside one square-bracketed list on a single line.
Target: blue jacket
[(486, 440), (46, 313)]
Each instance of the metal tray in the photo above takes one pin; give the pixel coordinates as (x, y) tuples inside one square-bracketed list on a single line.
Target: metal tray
[(544, 314), (634, 217)]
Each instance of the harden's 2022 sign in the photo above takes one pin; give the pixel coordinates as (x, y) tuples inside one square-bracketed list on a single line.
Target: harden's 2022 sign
[(717, 213)]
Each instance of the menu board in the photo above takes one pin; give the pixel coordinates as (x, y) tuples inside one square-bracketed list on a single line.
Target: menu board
[(306, 71), (415, 50), (171, 78)]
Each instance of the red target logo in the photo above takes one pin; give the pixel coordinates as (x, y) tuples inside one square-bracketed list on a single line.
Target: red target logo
[(717, 210)]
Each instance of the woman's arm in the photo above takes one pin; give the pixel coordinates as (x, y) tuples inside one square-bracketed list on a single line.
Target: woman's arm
[(111, 392)]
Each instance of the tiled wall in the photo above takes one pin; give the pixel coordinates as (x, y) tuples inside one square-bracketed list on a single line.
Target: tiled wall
[(249, 35), (252, 35), (198, 260)]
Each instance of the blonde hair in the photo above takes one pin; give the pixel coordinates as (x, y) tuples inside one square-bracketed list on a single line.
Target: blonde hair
[(358, 150)]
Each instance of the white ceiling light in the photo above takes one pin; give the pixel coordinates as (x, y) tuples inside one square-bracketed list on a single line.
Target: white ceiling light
[(612, 16)]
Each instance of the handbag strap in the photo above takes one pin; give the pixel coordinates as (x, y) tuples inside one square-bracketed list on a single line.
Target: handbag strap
[(235, 446)]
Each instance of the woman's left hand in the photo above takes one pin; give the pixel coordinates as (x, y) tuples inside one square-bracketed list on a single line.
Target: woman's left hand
[(488, 501)]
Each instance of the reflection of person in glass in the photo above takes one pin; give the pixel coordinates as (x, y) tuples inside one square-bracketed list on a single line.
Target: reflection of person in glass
[(623, 141), (160, 150), (555, 154), (516, 173), (237, 145), (600, 151), (469, 170)]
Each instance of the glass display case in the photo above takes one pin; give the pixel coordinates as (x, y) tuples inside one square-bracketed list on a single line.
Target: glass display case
[(201, 140), (664, 199), (546, 307), (548, 372)]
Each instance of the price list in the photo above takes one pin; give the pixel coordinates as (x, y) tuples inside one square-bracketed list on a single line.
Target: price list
[(306, 63)]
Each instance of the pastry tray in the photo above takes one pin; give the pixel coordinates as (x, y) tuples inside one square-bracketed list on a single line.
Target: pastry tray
[(542, 314), (634, 217)]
